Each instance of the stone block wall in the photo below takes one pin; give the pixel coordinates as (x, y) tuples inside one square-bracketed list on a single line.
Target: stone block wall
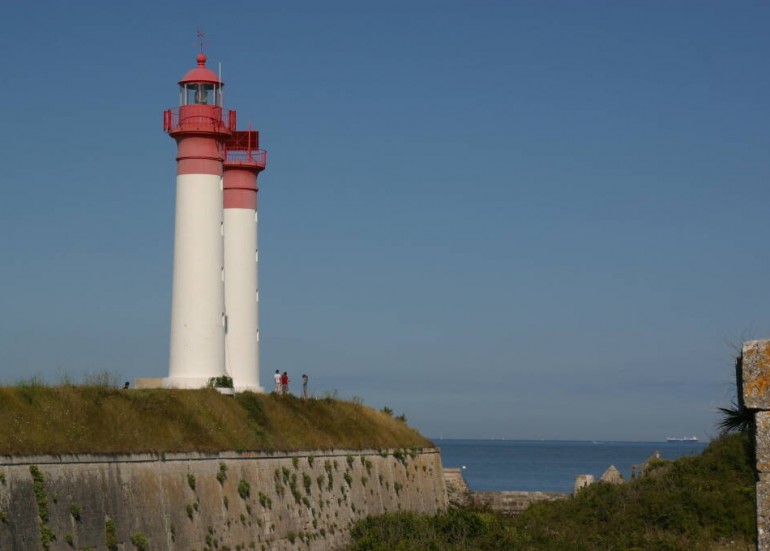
[(753, 374), (513, 503), (197, 502), (458, 492), (507, 503)]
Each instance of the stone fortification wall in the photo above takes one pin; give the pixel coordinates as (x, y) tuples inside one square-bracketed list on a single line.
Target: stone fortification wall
[(458, 492), (508, 503), (753, 374), (200, 502), (513, 503)]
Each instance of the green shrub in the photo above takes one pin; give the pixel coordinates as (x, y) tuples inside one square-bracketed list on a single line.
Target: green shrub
[(265, 501), (140, 541), (223, 381), (47, 537), (110, 535), (294, 490), (244, 489), (455, 530), (38, 487), (191, 481), (222, 473), (692, 503)]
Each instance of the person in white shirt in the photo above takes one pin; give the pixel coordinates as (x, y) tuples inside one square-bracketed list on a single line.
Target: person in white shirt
[(277, 379)]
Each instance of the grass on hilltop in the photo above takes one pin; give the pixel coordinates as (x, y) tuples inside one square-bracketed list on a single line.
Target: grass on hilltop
[(100, 418), (703, 503)]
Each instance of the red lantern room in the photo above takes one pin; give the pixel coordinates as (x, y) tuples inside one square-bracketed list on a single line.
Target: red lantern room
[(201, 86), (200, 104)]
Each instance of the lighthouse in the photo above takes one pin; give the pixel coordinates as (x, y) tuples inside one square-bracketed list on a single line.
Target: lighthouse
[(243, 163), (196, 346), (214, 298)]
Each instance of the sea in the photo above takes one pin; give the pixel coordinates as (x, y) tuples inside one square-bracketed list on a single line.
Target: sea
[(548, 465)]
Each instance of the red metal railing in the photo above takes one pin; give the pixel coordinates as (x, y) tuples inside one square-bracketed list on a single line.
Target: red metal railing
[(199, 118), (256, 156)]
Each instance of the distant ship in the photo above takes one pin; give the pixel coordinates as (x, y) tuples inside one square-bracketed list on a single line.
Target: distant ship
[(682, 439)]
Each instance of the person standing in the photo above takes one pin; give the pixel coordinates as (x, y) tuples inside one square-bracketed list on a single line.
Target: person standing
[(304, 386), (277, 379), (285, 383)]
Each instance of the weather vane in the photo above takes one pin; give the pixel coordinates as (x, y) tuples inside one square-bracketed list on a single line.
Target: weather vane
[(201, 35)]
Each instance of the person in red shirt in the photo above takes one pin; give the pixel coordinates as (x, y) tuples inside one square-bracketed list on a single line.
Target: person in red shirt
[(285, 383)]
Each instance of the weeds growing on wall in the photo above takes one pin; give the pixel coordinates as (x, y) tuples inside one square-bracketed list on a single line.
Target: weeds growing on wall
[(244, 489), (110, 535), (222, 473), (140, 541)]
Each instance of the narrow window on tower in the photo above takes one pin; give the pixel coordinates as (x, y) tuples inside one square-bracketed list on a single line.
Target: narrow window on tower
[(256, 216), (221, 228), (256, 256), (257, 335), (257, 295), (223, 274), (224, 321)]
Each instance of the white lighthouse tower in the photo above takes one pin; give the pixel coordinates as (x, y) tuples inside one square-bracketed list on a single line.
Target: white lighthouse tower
[(200, 128), (243, 163)]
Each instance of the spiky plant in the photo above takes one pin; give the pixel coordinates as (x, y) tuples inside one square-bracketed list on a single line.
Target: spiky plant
[(735, 418)]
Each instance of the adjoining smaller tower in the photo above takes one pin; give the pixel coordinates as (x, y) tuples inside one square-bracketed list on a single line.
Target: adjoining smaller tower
[(200, 128), (243, 163)]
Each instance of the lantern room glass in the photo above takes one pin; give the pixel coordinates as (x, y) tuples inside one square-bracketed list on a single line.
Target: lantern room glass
[(201, 93)]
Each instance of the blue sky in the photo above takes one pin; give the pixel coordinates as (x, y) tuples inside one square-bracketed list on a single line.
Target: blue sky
[(541, 219)]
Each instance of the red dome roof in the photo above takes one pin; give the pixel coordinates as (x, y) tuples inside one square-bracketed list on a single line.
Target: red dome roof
[(201, 73)]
